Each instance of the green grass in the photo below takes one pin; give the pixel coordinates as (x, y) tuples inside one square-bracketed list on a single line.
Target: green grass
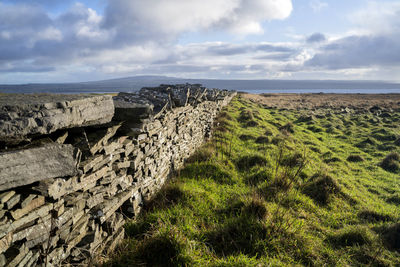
[(276, 187)]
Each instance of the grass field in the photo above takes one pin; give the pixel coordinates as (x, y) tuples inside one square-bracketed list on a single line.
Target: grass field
[(278, 187)]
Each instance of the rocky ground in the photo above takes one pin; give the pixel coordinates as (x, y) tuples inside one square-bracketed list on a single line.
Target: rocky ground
[(333, 101)]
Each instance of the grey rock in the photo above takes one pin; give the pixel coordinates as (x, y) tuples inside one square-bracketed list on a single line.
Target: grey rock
[(31, 165), (13, 201), (3, 260), (16, 255), (57, 187), (28, 207), (5, 242), (23, 115), (4, 197), (32, 261)]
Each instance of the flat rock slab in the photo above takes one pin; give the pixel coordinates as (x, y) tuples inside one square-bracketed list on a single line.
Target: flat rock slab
[(31, 165), (22, 115)]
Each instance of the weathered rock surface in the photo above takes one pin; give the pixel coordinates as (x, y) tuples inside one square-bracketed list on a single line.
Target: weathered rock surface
[(27, 166), (23, 115)]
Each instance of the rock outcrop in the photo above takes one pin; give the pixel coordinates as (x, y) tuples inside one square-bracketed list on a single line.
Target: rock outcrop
[(65, 194)]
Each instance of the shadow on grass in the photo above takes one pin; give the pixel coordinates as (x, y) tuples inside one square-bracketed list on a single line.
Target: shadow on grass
[(351, 236), (390, 235), (394, 199), (237, 235), (264, 175), (321, 189), (204, 153), (373, 216), (247, 162), (208, 170), (167, 248), (169, 195), (391, 162)]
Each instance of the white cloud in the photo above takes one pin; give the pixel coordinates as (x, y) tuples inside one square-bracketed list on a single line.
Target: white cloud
[(375, 42), (50, 33), (317, 5), (147, 19), (377, 17)]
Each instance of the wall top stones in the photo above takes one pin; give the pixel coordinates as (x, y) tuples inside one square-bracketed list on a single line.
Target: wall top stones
[(25, 115)]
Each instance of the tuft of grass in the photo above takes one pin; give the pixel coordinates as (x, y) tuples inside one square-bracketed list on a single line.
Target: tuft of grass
[(394, 199), (207, 170), (246, 137), (293, 160), (205, 153), (351, 236), (391, 162), (263, 140), (164, 249), (367, 142), (251, 123), (264, 175), (373, 216), (288, 127), (249, 161), (397, 142), (245, 116), (237, 235), (255, 208), (169, 195), (306, 118), (321, 189), (268, 132), (315, 129), (332, 160), (391, 236), (355, 158)]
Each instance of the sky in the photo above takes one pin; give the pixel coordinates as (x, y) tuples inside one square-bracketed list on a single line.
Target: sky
[(69, 41)]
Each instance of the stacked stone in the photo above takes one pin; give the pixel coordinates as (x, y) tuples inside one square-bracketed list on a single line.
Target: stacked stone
[(70, 176)]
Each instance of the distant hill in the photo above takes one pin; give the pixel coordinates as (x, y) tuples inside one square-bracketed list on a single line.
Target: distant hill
[(128, 84)]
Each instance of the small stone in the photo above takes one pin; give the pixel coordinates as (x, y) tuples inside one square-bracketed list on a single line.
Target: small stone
[(4, 197), (26, 259), (6, 242), (28, 207), (13, 201), (3, 260), (33, 215), (32, 261), (16, 255)]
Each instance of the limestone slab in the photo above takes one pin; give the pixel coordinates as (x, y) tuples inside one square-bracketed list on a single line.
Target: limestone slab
[(31, 165), (22, 115)]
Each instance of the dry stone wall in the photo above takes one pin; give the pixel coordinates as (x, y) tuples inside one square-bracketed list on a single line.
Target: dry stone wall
[(74, 168)]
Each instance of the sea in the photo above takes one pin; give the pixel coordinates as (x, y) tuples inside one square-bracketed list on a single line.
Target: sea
[(132, 84)]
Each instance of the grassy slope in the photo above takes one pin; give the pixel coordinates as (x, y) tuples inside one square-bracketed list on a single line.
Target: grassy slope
[(292, 199)]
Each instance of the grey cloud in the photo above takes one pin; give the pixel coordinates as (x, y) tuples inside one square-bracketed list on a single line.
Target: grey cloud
[(21, 66), (23, 35), (274, 48), (40, 2), (229, 49), (316, 38), (358, 52), (27, 68), (17, 17), (177, 68), (282, 56)]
